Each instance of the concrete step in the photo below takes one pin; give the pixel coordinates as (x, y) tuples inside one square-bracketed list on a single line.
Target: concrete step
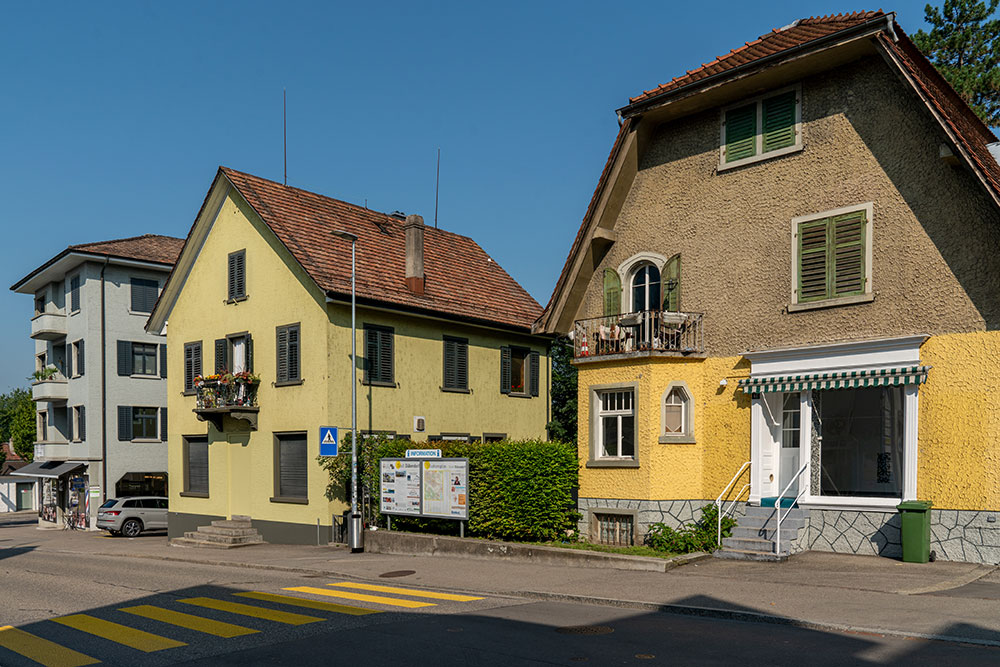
[(189, 542), (220, 530), (770, 512), (770, 523), (749, 544), (240, 517), (788, 534), (229, 523), (223, 539), (743, 554)]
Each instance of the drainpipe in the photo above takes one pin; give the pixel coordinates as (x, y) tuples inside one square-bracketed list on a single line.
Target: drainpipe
[(104, 392)]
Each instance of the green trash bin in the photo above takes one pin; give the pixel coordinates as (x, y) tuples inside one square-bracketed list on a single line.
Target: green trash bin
[(915, 517)]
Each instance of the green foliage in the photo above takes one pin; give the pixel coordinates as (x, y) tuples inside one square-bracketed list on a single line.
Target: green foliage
[(8, 406), (518, 490), (963, 44), (17, 421), (564, 408), (698, 536), (46, 373)]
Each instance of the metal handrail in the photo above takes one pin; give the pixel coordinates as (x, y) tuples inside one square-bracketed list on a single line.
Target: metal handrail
[(719, 503), (777, 527)]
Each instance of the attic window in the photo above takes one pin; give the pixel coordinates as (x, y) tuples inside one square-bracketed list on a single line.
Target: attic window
[(761, 128)]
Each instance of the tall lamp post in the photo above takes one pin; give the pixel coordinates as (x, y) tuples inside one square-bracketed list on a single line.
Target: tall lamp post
[(355, 532)]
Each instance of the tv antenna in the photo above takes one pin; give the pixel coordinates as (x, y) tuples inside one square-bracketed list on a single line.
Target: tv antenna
[(437, 188), (284, 128)]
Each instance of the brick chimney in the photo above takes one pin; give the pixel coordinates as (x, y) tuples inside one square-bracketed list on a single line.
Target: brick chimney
[(414, 229)]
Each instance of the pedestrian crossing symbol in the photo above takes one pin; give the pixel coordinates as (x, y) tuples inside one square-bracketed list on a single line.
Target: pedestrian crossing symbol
[(327, 440)]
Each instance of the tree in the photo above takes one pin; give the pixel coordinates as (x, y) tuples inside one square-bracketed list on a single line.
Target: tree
[(964, 45), (564, 406), (8, 406), (17, 422)]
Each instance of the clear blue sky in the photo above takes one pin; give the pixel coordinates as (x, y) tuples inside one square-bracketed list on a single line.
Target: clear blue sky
[(115, 116)]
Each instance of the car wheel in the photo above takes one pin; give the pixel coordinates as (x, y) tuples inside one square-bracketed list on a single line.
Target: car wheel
[(132, 528)]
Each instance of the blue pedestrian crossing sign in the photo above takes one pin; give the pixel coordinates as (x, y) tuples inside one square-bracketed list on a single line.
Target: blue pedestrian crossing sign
[(328, 441)]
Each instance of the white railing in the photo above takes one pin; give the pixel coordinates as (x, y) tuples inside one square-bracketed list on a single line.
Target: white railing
[(719, 502), (777, 506)]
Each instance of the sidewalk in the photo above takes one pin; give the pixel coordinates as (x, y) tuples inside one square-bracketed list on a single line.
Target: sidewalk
[(942, 600)]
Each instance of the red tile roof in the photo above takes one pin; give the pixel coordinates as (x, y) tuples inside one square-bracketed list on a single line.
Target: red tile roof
[(801, 32), (460, 278), (148, 248)]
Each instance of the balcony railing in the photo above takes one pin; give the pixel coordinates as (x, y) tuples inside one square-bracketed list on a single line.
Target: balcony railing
[(48, 326), (643, 331), (227, 394)]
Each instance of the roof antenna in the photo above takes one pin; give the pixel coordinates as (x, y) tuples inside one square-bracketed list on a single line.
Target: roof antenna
[(437, 188), (284, 128)]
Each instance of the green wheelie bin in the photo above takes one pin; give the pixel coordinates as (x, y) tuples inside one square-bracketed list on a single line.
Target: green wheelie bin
[(915, 517)]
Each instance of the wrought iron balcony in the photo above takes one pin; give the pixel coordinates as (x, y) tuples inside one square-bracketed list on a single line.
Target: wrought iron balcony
[(225, 394), (632, 334)]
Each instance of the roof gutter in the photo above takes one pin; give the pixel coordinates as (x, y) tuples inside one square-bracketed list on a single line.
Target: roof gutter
[(882, 22)]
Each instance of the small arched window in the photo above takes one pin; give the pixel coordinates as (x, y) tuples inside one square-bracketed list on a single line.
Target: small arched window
[(673, 412), (646, 288), (676, 414)]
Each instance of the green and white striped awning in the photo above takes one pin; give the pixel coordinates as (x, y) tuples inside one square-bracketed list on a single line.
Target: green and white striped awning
[(880, 377)]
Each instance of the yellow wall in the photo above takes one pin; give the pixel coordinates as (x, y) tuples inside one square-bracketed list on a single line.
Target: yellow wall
[(279, 292)]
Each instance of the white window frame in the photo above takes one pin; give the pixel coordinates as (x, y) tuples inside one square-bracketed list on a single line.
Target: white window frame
[(686, 434), (868, 208), (759, 146), (602, 413), (635, 308)]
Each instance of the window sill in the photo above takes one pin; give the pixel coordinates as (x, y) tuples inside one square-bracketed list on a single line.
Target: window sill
[(189, 392), (146, 440), (237, 299), (146, 376), (612, 463), (192, 494), (139, 312), (519, 395), (290, 501), (372, 383), (787, 150), (287, 383), (831, 303), (679, 439), (455, 390), (851, 503)]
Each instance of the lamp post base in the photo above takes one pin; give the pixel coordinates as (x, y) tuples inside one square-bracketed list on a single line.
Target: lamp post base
[(356, 534)]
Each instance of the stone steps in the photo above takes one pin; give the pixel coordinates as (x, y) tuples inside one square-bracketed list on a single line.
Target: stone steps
[(237, 531), (753, 536)]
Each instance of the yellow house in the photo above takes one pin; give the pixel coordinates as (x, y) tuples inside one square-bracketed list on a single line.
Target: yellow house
[(784, 293), (258, 324)]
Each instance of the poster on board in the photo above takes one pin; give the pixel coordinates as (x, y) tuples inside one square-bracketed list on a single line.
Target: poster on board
[(446, 488), (400, 487)]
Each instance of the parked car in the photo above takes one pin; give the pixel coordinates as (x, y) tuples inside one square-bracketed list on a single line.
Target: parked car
[(131, 516)]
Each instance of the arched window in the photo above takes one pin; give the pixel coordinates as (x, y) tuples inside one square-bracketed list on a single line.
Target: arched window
[(646, 288), (673, 412), (676, 414)]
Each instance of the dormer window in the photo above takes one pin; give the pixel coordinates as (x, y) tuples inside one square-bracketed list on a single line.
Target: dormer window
[(761, 128)]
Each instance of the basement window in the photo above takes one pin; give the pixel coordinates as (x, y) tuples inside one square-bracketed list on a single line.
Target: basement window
[(615, 529)]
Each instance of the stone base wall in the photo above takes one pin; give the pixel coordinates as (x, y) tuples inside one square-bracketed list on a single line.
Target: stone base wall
[(673, 513), (956, 535)]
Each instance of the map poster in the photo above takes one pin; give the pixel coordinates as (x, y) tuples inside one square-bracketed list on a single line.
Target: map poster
[(399, 486), (446, 488)]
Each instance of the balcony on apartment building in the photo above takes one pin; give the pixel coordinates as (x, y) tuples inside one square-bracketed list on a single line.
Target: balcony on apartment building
[(50, 388), (643, 333), (53, 450), (232, 395), (48, 326)]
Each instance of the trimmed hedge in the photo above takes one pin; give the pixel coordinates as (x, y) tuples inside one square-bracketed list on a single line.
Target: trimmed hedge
[(521, 490)]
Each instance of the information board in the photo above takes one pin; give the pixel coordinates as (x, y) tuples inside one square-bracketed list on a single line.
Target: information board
[(425, 487)]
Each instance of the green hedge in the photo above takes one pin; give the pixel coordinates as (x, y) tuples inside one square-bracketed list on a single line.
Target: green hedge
[(518, 490)]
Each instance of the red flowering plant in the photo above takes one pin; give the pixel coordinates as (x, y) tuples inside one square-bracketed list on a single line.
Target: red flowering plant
[(225, 389)]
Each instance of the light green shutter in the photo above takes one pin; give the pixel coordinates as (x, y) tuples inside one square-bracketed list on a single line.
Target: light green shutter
[(741, 133), (670, 284), (778, 121), (848, 254), (612, 292), (812, 240)]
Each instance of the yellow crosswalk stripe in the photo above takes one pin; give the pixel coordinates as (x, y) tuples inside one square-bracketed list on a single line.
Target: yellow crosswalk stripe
[(309, 604), (250, 610), (361, 597), (406, 591), (190, 621), (116, 632), (41, 650)]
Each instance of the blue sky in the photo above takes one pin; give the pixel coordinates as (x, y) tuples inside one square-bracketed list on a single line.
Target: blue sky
[(115, 116)]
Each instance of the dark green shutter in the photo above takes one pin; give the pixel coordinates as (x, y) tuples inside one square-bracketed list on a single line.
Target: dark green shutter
[(197, 361), (813, 279), (163, 424), (69, 362), (371, 355), (612, 293), (778, 121), (80, 358), (741, 132), (294, 353), (83, 423), (248, 346), (221, 354), (848, 254), (236, 275), (282, 350), (292, 466), (533, 359), (450, 362), (124, 358), (385, 357), (462, 364), (74, 293), (189, 373), (163, 360), (124, 422), (670, 284), (504, 370)]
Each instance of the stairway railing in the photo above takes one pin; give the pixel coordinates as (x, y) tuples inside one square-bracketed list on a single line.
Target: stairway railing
[(777, 506), (719, 502)]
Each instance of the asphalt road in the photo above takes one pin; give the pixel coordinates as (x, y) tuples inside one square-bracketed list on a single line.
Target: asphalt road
[(73, 609)]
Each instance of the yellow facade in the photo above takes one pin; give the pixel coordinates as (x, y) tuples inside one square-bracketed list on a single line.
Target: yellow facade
[(958, 434), (241, 462)]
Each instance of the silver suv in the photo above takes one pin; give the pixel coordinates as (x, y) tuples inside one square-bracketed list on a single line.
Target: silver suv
[(131, 516)]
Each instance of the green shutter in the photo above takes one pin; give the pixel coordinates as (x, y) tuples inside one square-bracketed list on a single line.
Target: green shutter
[(848, 254), (741, 133), (812, 240), (778, 121), (504, 370), (612, 292), (670, 284), (282, 345), (371, 355)]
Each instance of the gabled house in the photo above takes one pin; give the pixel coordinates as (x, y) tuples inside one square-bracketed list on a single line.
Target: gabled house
[(784, 293), (260, 350)]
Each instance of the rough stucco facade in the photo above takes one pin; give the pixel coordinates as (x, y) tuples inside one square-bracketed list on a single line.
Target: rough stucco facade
[(865, 138)]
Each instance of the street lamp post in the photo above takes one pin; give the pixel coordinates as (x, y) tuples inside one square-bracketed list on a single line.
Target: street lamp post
[(355, 532)]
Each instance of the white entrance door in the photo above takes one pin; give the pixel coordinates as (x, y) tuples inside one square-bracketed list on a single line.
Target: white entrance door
[(789, 459)]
